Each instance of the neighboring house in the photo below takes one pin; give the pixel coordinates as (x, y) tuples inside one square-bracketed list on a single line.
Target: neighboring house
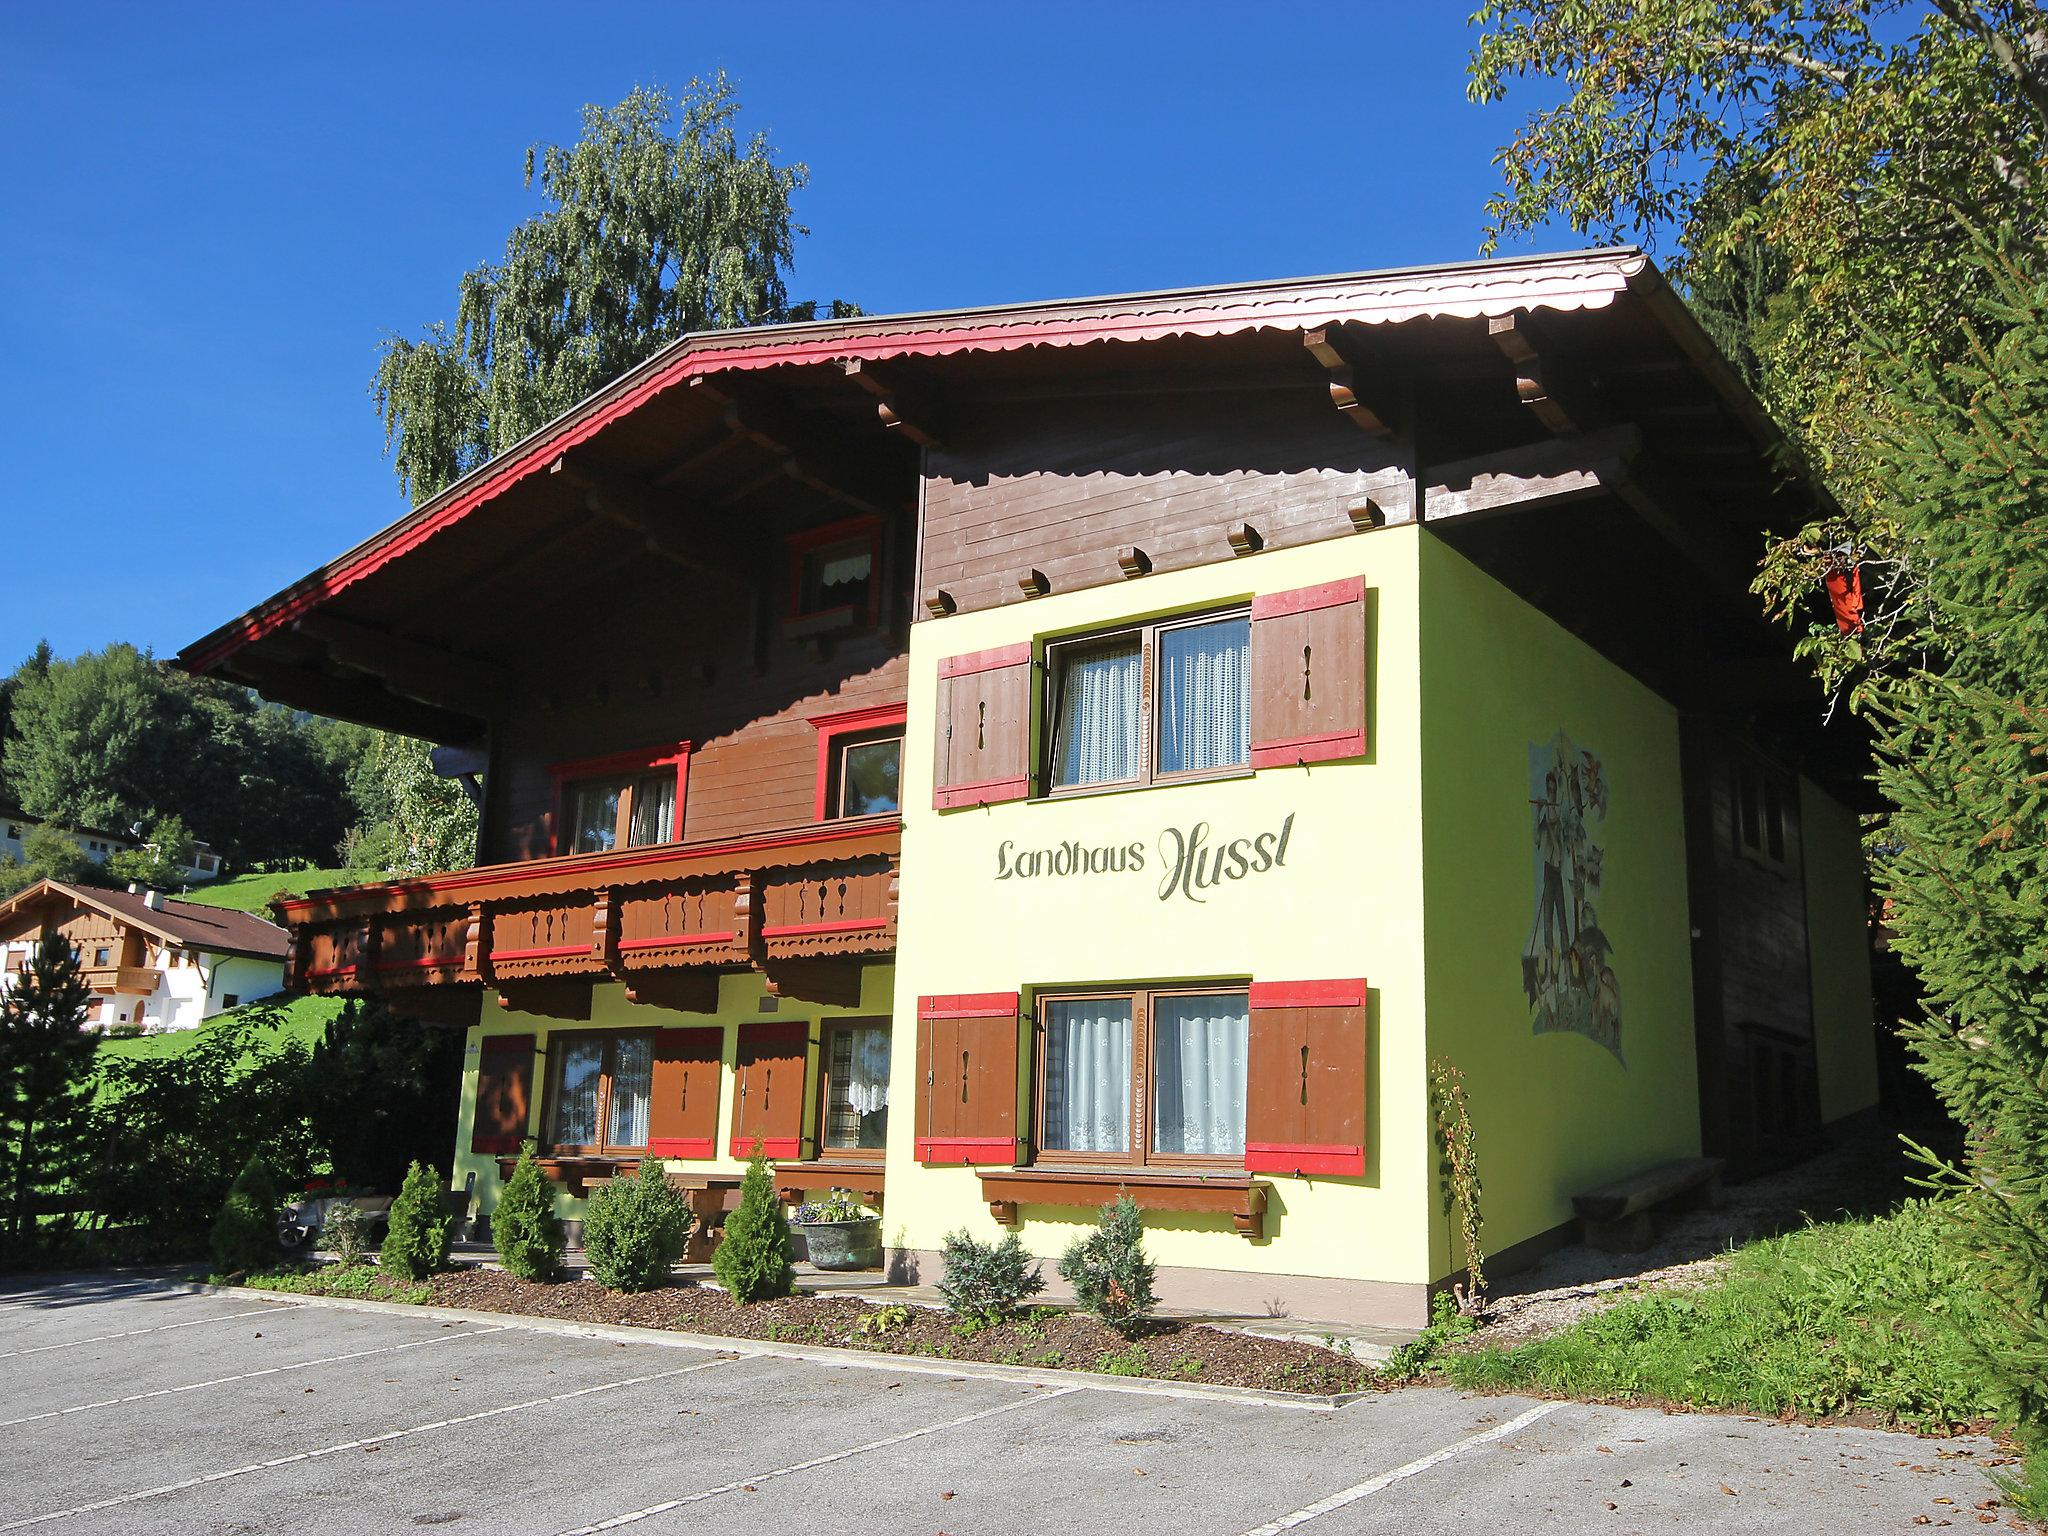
[(994, 759), (149, 959), (15, 826)]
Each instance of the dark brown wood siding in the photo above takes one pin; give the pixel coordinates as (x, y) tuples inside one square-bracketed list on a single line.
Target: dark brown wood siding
[(671, 657), (1061, 486)]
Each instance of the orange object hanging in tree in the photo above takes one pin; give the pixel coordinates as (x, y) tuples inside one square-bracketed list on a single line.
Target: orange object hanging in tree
[(1845, 594)]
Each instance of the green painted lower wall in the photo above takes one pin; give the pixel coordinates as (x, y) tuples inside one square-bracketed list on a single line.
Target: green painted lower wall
[(1557, 1112), (739, 1000), (1838, 945)]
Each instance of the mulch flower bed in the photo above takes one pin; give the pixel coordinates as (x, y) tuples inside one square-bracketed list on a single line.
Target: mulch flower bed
[(1165, 1349)]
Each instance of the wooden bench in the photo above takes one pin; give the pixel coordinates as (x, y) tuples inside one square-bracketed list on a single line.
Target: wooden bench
[(1617, 1217)]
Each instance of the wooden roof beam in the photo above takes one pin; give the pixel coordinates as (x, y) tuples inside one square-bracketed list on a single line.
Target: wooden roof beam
[(890, 409), (1538, 383), (1327, 346), (1515, 479), (410, 668), (360, 699), (620, 500), (785, 435)]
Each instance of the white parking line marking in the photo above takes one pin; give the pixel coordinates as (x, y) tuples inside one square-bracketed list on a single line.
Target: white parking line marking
[(270, 1370), (1373, 1485), (226, 1317), (804, 1466), (352, 1445)]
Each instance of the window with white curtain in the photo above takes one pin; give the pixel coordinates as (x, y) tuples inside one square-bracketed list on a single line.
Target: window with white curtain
[(856, 1096), (1108, 728), (603, 1090), (1143, 1075)]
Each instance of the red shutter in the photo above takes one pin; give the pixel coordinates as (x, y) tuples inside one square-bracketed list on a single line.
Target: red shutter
[(1308, 674), (967, 1078), (682, 1119), (770, 1092), (1305, 1081), (984, 728), (504, 1094)]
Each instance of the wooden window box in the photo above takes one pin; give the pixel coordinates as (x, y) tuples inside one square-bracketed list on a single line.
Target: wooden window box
[(1236, 1195), (796, 1181)]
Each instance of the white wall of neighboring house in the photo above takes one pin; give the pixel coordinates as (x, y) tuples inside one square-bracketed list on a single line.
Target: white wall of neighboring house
[(191, 986), (204, 864)]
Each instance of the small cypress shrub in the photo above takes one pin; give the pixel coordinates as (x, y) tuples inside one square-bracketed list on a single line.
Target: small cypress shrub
[(634, 1230), (347, 1234), (984, 1282), (524, 1227), (417, 1242), (1108, 1268), (753, 1260), (245, 1232)]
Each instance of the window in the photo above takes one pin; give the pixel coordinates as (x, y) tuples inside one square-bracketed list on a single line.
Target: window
[(603, 1090), (632, 812), (102, 956), (1143, 1076), (231, 1000), (854, 1099), (833, 573), (627, 800), (1762, 798), (1163, 701), (860, 761)]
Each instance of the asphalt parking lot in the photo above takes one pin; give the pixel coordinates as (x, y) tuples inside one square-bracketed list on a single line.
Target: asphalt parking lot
[(128, 1407)]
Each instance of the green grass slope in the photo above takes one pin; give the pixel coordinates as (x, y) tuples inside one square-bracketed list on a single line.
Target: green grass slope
[(252, 893)]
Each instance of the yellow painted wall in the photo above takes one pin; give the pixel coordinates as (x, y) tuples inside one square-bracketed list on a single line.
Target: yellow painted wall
[(1554, 1113), (1838, 949), (1348, 903), (739, 1000)]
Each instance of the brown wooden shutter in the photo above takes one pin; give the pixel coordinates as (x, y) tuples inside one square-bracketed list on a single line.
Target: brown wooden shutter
[(984, 728), (967, 1078), (682, 1119), (769, 1102), (1305, 1081), (1308, 674), (504, 1094)]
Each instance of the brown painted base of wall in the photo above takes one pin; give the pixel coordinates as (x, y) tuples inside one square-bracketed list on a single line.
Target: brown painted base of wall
[(1230, 1293)]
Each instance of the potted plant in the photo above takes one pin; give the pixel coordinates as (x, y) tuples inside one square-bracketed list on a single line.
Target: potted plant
[(839, 1232)]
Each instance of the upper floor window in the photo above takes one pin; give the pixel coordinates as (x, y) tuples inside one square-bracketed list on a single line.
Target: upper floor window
[(627, 800), (1762, 822), (1160, 701), (102, 956), (860, 762), (834, 574)]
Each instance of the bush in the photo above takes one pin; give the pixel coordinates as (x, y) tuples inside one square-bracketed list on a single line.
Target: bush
[(633, 1229), (525, 1228), (417, 1243), (984, 1282), (347, 1233), (753, 1261), (245, 1232), (1108, 1269)]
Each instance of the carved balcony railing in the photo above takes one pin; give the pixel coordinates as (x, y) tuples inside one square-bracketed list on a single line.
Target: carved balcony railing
[(121, 980), (804, 907)]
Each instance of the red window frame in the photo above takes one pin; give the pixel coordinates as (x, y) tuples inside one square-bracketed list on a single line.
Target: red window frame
[(832, 729), (619, 764), (868, 528)]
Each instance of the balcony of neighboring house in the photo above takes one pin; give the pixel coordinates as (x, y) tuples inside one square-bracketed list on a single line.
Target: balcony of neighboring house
[(120, 980), (805, 907)]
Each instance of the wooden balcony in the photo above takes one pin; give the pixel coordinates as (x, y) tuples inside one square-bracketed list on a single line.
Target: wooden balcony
[(121, 980), (803, 906)]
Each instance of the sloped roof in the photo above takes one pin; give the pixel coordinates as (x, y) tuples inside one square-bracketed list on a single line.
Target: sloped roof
[(187, 923)]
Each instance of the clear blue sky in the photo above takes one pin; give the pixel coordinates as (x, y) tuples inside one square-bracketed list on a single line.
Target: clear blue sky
[(212, 213)]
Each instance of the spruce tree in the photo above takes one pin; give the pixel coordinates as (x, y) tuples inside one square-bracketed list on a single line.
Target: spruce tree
[(1963, 863), (46, 1064), (752, 1261)]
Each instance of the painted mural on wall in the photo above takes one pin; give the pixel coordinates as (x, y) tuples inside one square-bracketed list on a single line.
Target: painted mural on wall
[(1567, 965)]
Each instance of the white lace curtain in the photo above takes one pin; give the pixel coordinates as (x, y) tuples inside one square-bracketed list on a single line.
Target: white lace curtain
[(1097, 738), (1198, 1074), (576, 1101), (632, 1091), (1088, 1075), (1205, 696)]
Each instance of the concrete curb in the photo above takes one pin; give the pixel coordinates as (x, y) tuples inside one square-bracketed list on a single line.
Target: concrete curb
[(816, 1354)]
